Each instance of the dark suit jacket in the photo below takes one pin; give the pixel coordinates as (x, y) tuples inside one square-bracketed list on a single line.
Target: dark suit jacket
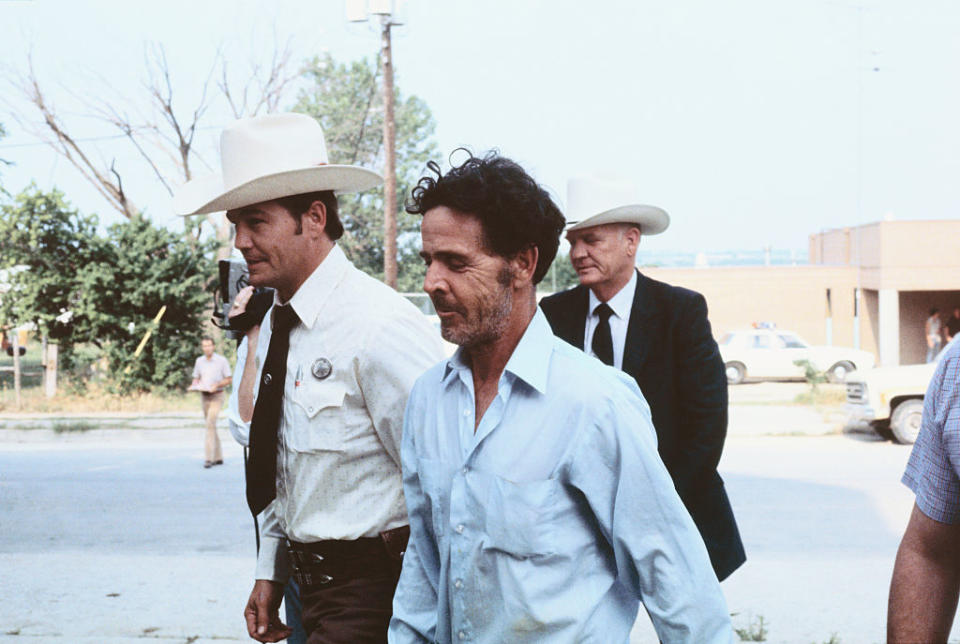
[(672, 355)]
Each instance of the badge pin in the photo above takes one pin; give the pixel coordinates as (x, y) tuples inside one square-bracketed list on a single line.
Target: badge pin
[(321, 368)]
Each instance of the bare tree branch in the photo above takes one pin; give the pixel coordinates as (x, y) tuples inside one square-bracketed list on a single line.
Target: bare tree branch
[(55, 134), (163, 136)]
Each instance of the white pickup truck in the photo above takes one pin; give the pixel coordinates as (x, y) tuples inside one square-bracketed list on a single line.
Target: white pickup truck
[(891, 397)]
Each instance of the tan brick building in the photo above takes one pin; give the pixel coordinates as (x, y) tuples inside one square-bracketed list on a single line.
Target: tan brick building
[(869, 287)]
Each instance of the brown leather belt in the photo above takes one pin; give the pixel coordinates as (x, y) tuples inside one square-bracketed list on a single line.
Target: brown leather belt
[(322, 561)]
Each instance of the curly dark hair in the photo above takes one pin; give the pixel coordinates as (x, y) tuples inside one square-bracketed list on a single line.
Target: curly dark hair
[(514, 211)]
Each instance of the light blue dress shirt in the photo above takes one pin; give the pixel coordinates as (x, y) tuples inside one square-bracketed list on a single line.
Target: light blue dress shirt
[(552, 520)]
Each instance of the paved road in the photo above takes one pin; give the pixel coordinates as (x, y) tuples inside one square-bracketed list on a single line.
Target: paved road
[(115, 537)]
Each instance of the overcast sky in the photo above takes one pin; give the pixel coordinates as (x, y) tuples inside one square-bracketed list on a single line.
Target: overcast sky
[(752, 122)]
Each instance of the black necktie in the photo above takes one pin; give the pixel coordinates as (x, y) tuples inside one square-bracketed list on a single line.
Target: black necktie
[(262, 463), (602, 344)]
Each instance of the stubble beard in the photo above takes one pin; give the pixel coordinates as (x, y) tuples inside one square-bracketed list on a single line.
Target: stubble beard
[(490, 320)]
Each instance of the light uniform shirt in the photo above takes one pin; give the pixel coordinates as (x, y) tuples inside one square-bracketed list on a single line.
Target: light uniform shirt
[(621, 303), (554, 519), (338, 455), (211, 371)]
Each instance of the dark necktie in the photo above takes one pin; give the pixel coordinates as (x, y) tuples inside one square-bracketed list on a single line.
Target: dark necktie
[(262, 463), (602, 344)]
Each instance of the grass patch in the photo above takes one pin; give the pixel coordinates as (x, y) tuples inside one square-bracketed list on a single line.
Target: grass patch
[(822, 396), (755, 631), (96, 400), (67, 426), (833, 639)]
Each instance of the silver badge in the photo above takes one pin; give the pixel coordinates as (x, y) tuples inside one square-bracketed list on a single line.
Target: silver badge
[(321, 368)]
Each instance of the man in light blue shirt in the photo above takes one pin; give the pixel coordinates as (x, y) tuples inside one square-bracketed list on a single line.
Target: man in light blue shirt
[(539, 508)]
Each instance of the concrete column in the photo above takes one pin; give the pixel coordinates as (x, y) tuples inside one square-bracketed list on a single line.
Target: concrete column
[(888, 305), (856, 318)]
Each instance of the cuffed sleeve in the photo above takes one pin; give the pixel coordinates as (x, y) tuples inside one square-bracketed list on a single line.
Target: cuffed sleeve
[(272, 559)]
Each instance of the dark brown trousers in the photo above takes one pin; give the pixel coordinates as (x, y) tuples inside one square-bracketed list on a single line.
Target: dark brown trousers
[(347, 586)]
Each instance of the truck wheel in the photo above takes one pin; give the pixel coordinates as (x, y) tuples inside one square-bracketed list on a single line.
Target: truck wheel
[(735, 372), (839, 371), (905, 421)]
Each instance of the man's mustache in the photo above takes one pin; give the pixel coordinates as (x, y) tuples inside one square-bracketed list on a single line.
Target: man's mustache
[(443, 306)]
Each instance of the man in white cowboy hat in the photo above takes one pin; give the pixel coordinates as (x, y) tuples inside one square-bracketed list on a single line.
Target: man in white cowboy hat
[(325, 381), (658, 334)]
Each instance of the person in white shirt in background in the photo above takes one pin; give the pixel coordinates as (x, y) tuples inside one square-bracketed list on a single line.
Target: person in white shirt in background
[(211, 375), (324, 384)]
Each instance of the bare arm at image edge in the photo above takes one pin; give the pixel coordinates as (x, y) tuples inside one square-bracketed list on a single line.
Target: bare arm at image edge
[(926, 581)]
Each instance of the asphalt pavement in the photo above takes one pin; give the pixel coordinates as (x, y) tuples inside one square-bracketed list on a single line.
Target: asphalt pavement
[(119, 535)]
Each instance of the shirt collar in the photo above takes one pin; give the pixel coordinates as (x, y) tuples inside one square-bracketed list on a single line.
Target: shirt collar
[(309, 299), (530, 360), (622, 302)]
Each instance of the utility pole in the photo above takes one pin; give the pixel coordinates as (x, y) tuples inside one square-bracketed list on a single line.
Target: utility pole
[(390, 152), (360, 11)]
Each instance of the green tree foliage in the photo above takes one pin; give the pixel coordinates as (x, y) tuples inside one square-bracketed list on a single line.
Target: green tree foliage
[(84, 288), (44, 244), (347, 101), (147, 267)]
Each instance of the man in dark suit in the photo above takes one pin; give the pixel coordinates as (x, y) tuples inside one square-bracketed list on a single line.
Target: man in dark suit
[(660, 335)]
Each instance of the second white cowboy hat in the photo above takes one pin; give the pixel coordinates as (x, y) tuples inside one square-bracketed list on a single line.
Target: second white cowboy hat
[(268, 157), (592, 201)]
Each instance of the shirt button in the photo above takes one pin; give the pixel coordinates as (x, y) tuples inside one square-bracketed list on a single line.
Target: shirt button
[(460, 528), (465, 470), (310, 409), (458, 583), (267, 378), (466, 412), (462, 635)]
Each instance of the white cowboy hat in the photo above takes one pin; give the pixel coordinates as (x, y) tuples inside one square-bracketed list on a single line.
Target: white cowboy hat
[(268, 157), (592, 201)]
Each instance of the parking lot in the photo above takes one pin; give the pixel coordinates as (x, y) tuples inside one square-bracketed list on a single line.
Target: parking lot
[(119, 535)]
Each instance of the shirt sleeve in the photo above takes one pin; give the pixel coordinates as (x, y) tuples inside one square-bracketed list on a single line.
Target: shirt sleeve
[(931, 472), (239, 428), (272, 558), (415, 601), (659, 554), (196, 368), (398, 351)]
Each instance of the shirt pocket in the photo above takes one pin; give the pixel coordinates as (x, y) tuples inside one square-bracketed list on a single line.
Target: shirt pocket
[(435, 480), (321, 426), (520, 517)]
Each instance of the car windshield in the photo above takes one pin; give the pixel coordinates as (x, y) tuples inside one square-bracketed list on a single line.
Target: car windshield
[(792, 341)]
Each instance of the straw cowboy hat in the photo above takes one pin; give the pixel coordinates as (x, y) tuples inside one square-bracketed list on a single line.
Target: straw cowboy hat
[(268, 157), (593, 201)]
